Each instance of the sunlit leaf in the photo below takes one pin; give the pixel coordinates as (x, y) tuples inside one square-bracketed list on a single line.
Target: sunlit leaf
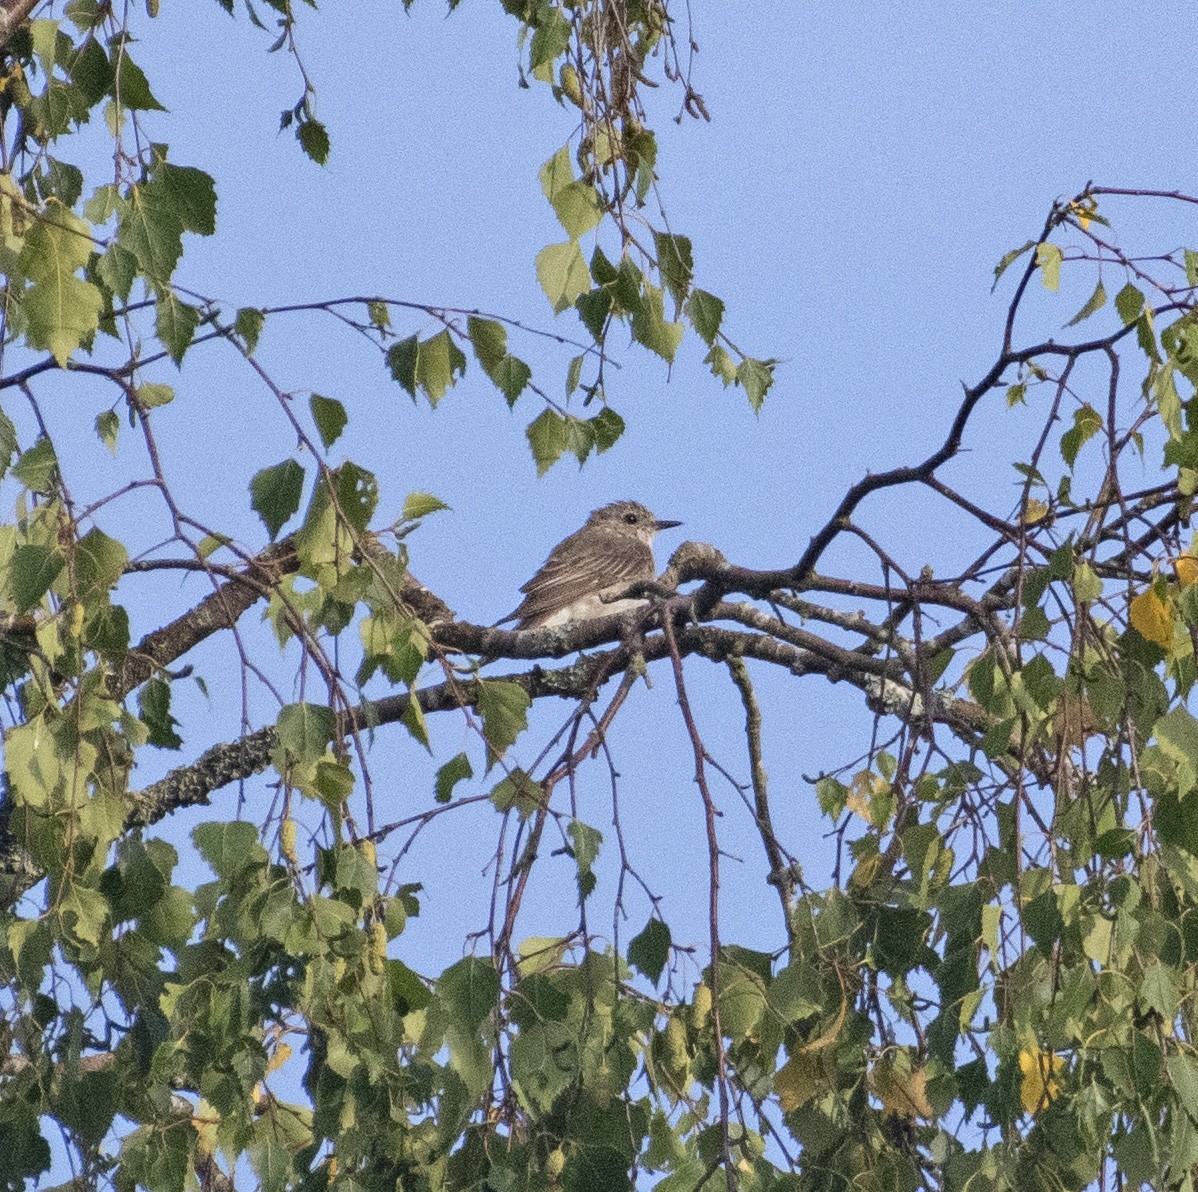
[(1152, 617), (1049, 258), (1040, 1078)]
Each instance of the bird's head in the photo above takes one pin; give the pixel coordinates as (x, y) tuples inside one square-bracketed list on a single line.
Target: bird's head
[(629, 517)]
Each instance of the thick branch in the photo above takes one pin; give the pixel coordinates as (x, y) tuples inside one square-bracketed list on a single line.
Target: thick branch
[(12, 16)]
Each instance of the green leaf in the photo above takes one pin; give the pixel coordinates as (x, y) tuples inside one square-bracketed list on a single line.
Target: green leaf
[(722, 366), (1129, 302), (100, 562), (248, 325), (190, 194), (91, 71), (276, 1136), (832, 796), (577, 205), (418, 505), (61, 310), (8, 442), (547, 438), (305, 731), (132, 88), (229, 847), (578, 208), (563, 274), (489, 340), (651, 328), (37, 469), (755, 377), (1009, 259), (650, 950), (176, 324), (1095, 302), (154, 707), (511, 375), (469, 992), (103, 205), (580, 438), (574, 373), (330, 417), (350, 503), (742, 1000), (401, 361), (61, 181), (586, 841), (517, 790), (59, 316), (45, 40), (594, 307), (795, 993), (275, 494), (152, 230), (314, 140), (1183, 1075), (607, 426), (107, 427), (1049, 258), (1087, 422), (1160, 989), (439, 362), (151, 395), (456, 770), (32, 570), (1176, 736), (333, 783), (117, 269), (504, 709), (706, 314), (108, 631), (676, 263), (413, 720), (549, 42)]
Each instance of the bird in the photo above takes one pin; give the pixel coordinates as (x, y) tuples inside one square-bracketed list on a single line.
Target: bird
[(611, 552)]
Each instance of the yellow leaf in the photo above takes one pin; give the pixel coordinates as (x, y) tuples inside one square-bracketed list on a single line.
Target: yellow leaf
[(206, 1121), (287, 833), (903, 1091), (1152, 616), (1186, 567), (804, 1076), (1034, 511), (1041, 1083), (811, 1068), (866, 871), (1049, 258), (1074, 720), (281, 1055), (1083, 212), (865, 788)]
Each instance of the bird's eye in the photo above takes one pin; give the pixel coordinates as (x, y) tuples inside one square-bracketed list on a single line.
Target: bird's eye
[(630, 518)]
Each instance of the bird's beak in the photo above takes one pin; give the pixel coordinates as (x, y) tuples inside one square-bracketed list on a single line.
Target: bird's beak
[(666, 525)]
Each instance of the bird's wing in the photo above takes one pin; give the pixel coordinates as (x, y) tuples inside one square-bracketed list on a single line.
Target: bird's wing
[(609, 563)]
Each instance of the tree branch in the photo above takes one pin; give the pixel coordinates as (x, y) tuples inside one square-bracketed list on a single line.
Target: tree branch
[(12, 16)]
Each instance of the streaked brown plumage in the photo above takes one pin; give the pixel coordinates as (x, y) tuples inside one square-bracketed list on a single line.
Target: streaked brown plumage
[(610, 553)]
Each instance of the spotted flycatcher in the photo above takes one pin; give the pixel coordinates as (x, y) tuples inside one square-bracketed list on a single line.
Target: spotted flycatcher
[(610, 553)]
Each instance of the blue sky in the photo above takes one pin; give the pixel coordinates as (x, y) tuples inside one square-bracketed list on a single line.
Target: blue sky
[(864, 170)]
